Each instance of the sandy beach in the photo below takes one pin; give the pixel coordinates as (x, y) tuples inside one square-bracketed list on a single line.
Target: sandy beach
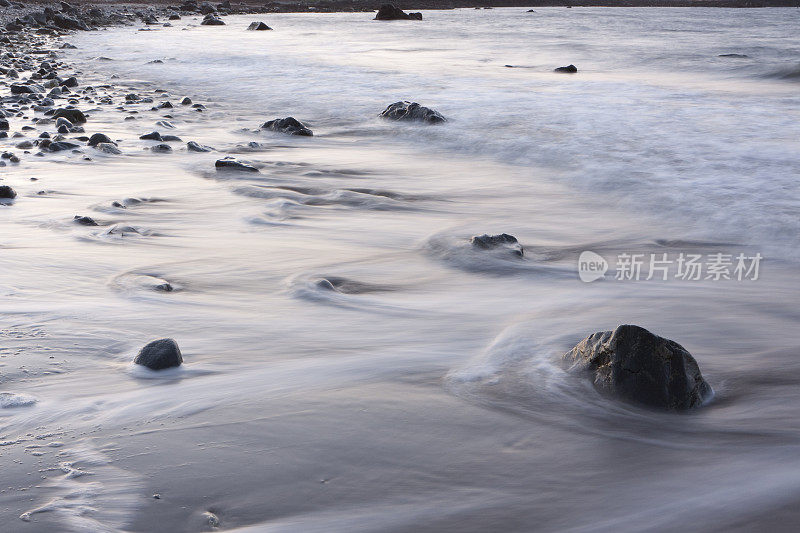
[(329, 273)]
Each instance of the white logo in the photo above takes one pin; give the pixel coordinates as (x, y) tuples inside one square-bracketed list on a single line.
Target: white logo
[(591, 266)]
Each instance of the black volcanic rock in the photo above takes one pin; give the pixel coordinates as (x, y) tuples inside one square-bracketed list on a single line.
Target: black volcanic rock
[(634, 365), (569, 69), (289, 125), (258, 26), (412, 111), (493, 242), (160, 354), (392, 12)]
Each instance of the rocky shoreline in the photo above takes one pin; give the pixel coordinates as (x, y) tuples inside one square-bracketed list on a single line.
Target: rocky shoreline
[(62, 15)]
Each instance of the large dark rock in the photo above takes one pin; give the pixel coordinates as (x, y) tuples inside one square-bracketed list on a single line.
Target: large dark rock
[(160, 354), (258, 26), (75, 116), (98, 138), (503, 241), (392, 12), (68, 23), (7, 193), (289, 125), (412, 111), (634, 365)]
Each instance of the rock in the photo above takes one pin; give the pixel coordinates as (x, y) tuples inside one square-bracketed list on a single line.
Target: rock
[(161, 148), (206, 9), (7, 193), (70, 82), (634, 365), (152, 136), (98, 138), (61, 146), (735, 56), (84, 221), (171, 139), (230, 163), (391, 12), (289, 125), (174, 17), (412, 111), (4, 126), (186, 101), (258, 26), (569, 69), (502, 241), (21, 89), (193, 146), (68, 23), (108, 148), (160, 354), (211, 20), (75, 116)]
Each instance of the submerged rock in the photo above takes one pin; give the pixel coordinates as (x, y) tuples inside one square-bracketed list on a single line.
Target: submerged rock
[(289, 125), (160, 354), (84, 220), (230, 163), (569, 69), (412, 111), (193, 146), (98, 138), (161, 148), (634, 365), (502, 241), (392, 12), (258, 26)]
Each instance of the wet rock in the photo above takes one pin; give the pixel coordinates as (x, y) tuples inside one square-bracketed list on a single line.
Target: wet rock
[(98, 138), (230, 163), (21, 89), (412, 111), (152, 136), (258, 26), (7, 193), (493, 242), (289, 125), (211, 20), (186, 101), (4, 126), (70, 82), (735, 56), (634, 365), (193, 146), (161, 148), (84, 221), (171, 139), (68, 23), (60, 146), (391, 12), (569, 69), (108, 148), (160, 354), (75, 116)]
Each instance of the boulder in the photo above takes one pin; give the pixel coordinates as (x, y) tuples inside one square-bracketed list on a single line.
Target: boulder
[(211, 20), (152, 136), (160, 354), (504, 241), (98, 138), (569, 69), (7, 193), (75, 116), (161, 148), (634, 365), (258, 26), (67, 23), (412, 111), (289, 125), (392, 12)]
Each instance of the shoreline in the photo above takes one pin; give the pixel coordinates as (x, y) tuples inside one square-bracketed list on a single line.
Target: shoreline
[(116, 13)]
